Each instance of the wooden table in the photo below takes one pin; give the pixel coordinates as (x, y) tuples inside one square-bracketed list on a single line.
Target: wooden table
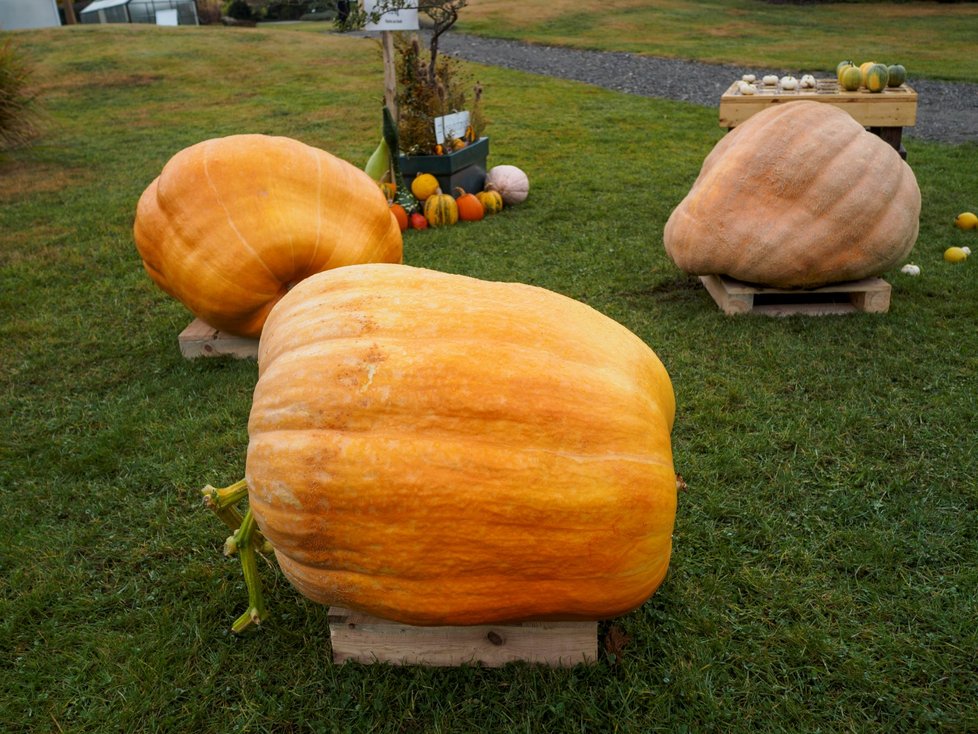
[(885, 113)]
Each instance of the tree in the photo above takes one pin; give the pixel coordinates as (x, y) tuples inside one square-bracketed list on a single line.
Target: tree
[(442, 13), (70, 18)]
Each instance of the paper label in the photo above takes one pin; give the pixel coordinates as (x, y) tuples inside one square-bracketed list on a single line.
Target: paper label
[(402, 19), (451, 126)]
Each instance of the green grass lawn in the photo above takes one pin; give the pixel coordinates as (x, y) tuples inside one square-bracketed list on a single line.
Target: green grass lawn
[(824, 575), (931, 39)]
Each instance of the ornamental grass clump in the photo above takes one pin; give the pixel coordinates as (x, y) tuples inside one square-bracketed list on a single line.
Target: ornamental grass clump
[(18, 114), (427, 90)]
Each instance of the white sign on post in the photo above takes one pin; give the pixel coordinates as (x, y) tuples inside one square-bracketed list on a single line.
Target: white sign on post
[(451, 126), (402, 19)]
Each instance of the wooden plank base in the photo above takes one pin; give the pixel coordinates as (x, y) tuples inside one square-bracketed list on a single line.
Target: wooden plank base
[(362, 638), (871, 295), (200, 339)]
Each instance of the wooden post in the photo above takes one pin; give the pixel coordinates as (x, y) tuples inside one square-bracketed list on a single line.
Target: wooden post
[(390, 73)]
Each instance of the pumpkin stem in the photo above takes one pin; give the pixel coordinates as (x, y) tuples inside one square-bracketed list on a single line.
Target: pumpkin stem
[(243, 542), (222, 502), (246, 540)]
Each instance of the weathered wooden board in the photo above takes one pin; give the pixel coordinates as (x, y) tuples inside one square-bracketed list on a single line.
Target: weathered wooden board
[(200, 339), (362, 638)]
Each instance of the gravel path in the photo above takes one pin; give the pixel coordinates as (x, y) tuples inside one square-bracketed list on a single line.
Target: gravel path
[(946, 112)]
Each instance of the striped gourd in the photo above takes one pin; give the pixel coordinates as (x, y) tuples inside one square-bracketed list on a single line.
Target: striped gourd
[(491, 200), (877, 77), (440, 209)]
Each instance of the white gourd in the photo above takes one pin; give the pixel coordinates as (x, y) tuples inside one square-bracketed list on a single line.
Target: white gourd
[(511, 183)]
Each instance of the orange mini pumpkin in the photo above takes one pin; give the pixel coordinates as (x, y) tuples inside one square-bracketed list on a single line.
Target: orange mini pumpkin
[(799, 195), (437, 449), (470, 209), (231, 224), (400, 214)]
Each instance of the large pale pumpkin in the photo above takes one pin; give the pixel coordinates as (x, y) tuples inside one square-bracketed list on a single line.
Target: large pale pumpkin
[(799, 195), (436, 449), (232, 223)]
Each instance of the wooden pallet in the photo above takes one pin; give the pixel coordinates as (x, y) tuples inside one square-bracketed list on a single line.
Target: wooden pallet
[(871, 295), (364, 639), (200, 339)]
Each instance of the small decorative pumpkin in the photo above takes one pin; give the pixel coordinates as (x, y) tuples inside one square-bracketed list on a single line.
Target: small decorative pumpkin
[(877, 78), (780, 202), (896, 75), (511, 461), (864, 69), (400, 214), (423, 186), (850, 78), (440, 209), (231, 224), (491, 201), (842, 66), (417, 221), (470, 209), (511, 183)]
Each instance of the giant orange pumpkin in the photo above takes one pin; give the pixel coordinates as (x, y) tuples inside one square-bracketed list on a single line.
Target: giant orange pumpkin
[(232, 223), (799, 195), (436, 449)]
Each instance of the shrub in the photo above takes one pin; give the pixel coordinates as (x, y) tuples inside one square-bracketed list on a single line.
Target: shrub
[(239, 10), (208, 11), (17, 111)]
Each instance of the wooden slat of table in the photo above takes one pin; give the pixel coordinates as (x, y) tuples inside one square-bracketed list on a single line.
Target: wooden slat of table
[(893, 107)]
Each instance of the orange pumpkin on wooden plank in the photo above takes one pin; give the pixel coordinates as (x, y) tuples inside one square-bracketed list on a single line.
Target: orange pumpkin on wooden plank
[(435, 449), (231, 224), (799, 195)]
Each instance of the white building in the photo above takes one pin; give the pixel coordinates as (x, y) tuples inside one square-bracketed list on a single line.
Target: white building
[(17, 14), (161, 12)]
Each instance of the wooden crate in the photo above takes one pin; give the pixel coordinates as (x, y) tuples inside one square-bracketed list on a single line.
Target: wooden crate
[(361, 638), (871, 295), (200, 339), (894, 107)]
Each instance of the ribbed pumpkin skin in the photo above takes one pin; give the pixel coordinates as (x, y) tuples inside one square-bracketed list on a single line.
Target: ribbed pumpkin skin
[(799, 195), (232, 223), (436, 449)]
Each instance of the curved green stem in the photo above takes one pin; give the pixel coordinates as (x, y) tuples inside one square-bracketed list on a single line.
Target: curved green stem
[(243, 538), (223, 502), (246, 540)]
